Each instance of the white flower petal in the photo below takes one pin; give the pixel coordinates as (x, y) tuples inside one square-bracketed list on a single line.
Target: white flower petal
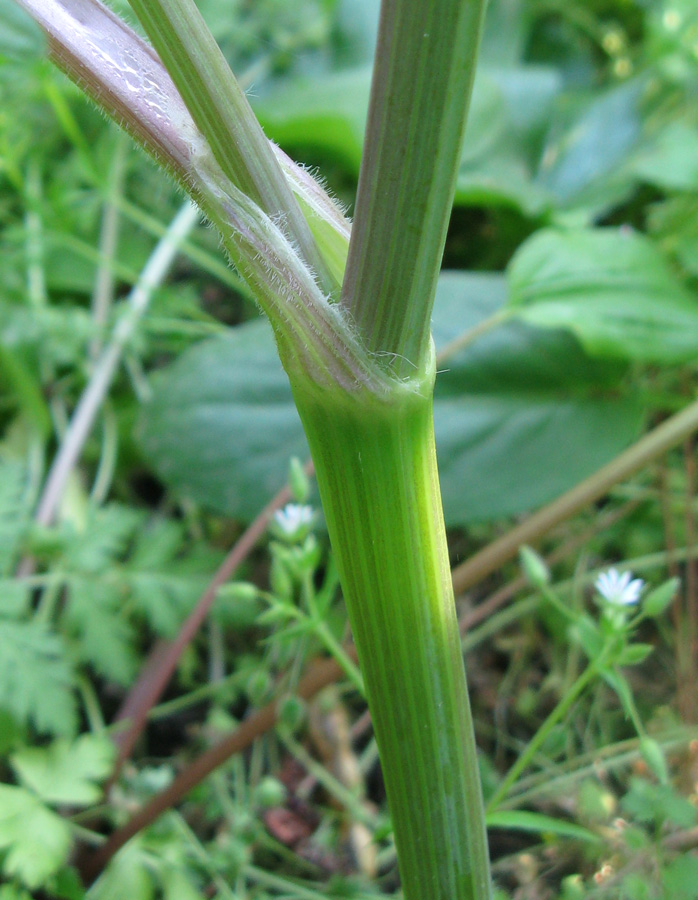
[(293, 517), (619, 589)]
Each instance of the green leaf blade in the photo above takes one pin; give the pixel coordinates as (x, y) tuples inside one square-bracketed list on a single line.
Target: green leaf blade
[(36, 681), (538, 823), (611, 288), (66, 772), (37, 840)]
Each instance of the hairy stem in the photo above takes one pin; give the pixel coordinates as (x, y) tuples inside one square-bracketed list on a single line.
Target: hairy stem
[(222, 113)]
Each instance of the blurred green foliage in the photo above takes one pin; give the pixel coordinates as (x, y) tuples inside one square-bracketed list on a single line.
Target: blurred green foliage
[(571, 299)]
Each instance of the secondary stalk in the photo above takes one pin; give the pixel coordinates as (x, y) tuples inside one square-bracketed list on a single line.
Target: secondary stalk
[(376, 469)]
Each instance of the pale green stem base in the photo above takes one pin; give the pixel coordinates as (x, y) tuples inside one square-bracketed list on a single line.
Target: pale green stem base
[(376, 469)]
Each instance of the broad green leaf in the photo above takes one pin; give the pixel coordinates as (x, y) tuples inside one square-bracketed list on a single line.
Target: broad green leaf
[(540, 824), (227, 440), (530, 93), (611, 288), (520, 416), (507, 108), (502, 455), (36, 840), (670, 162), (584, 159), (66, 772), (36, 683), (327, 114)]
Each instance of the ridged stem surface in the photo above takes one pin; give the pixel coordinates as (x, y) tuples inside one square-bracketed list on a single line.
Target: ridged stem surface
[(376, 469), (221, 111), (422, 81)]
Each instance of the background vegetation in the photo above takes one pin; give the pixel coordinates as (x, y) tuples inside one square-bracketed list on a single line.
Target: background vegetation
[(567, 325)]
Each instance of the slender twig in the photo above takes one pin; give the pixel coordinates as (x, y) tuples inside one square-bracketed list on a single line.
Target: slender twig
[(93, 396), (605, 759), (682, 840), (466, 338)]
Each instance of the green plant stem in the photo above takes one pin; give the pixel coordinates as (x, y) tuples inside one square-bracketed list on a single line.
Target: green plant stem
[(628, 702), (583, 681), (376, 469), (127, 80), (330, 642), (606, 759), (221, 111), (422, 81), (335, 649)]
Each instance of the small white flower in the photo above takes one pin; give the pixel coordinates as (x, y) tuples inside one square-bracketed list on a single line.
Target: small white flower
[(293, 517), (619, 589)]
